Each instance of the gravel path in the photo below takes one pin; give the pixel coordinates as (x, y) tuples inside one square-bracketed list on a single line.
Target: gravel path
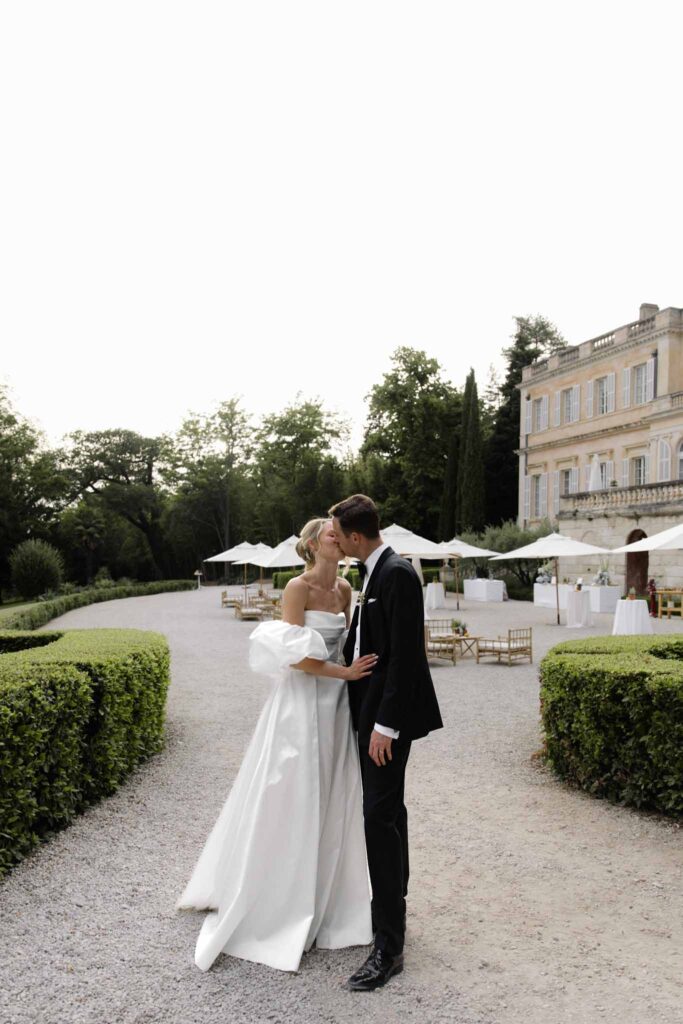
[(530, 902)]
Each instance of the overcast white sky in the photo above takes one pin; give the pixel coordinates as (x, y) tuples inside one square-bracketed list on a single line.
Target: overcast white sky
[(200, 199)]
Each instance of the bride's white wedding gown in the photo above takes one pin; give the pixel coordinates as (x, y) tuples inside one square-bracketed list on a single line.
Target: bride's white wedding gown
[(285, 864)]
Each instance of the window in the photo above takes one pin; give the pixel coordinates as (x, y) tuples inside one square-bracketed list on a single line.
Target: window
[(536, 497), (640, 384), (567, 406), (680, 461), (540, 413), (601, 389), (566, 482), (638, 470)]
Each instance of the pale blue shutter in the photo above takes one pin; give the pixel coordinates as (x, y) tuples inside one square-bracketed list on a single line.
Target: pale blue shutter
[(611, 388), (589, 399), (650, 380), (626, 387)]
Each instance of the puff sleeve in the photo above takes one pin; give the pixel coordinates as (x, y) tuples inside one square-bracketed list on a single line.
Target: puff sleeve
[(274, 646)]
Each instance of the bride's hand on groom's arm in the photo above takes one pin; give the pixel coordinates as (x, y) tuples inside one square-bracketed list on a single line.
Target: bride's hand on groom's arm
[(361, 667)]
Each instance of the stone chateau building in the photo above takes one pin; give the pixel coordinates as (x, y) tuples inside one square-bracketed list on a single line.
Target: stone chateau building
[(618, 396)]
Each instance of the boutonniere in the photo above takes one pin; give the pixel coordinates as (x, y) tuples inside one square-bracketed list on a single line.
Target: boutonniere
[(362, 598)]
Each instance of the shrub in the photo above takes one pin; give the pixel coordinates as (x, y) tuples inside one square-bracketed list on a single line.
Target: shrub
[(78, 711), (612, 711), (39, 614), (103, 578), (281, 579), (431, 575), (36, 566)]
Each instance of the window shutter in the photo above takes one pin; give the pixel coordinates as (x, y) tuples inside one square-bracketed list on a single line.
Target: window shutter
[(544, 413), (527, 418), (558, 409), (664, 460), (624, 472), (576, 399), (610, 471), (586, 475), (650, 380), (626, 387), (646, 478), (556, 491), (527, 498), (574, 480), (589, 398), (611, 388), (543, 501)]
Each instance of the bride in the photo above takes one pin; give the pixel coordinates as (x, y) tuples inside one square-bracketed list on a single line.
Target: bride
[(285, 864)]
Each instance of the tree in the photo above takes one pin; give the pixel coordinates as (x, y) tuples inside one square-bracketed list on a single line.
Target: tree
[(207, 469), (297, 470), (413, 415), (470, 500), (36, 567), (534, 337), (32, 484), (123, 469)]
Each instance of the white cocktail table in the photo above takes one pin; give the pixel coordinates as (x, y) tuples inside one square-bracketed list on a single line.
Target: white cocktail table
[(631, 618)]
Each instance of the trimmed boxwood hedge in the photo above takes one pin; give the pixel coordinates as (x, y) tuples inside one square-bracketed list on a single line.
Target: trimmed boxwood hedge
[(79, 710), (38, 614), (612, 712)]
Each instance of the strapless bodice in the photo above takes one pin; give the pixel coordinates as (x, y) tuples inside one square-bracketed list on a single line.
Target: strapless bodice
[(331, 626)]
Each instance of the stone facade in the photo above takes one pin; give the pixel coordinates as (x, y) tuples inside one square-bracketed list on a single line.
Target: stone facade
[(618, 397)]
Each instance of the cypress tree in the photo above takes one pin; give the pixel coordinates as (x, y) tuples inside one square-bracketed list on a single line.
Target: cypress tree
[(471, 498), (462, 451)]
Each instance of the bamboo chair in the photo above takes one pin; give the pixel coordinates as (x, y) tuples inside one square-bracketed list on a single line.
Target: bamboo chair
[(440, 639), (226, 601), (516, 646)]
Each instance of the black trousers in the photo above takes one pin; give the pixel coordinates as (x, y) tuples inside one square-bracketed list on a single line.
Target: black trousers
[(386, 839)]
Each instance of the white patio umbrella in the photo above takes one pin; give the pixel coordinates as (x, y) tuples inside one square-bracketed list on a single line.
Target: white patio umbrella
[(665, 540), (278, 558), (406, 543), (240, 554), (595, 477), (555, 546), (458, 549)]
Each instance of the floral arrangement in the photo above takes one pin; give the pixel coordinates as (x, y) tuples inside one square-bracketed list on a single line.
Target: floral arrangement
[(601, 578), (459, 627), (545, 574)]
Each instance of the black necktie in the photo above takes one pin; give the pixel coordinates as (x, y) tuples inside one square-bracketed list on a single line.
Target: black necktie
[(362, 570)]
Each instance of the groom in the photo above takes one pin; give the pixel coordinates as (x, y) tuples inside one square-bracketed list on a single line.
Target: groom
[(389, 709)]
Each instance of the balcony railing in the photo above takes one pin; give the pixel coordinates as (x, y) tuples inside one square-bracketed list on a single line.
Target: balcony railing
[(670, 491)]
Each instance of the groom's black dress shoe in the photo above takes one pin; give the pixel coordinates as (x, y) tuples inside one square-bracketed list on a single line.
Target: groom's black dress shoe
[(375, 972)]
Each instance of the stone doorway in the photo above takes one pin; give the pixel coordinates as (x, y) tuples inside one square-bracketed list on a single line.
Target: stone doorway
[(637, 565)]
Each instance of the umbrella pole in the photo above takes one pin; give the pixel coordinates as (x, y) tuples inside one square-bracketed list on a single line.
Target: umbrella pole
[(557, 590), (457, 584)]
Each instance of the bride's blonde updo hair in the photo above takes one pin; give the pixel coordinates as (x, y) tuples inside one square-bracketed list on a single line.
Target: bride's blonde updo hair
[(307, 539)]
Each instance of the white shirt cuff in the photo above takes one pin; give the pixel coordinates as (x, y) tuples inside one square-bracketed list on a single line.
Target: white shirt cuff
[(386, 731)]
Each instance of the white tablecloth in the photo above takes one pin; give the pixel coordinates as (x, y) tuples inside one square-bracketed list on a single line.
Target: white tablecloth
[(484, 590), (435, 596), (579, 609), (631, 617)]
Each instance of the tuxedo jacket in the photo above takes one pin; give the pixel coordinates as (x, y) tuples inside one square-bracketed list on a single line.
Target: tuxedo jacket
[(399, 693)]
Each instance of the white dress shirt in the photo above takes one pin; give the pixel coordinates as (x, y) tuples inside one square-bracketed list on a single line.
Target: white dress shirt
[(370, 564)]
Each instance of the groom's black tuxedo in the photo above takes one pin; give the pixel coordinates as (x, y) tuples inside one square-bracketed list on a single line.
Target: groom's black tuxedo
[(399, 693)]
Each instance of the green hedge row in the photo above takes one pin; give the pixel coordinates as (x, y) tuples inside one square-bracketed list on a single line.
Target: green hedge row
[(612, 711), (37, 615), (78, 711)]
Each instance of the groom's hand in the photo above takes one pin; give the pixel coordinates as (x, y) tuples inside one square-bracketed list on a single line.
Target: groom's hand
[(380, 748)]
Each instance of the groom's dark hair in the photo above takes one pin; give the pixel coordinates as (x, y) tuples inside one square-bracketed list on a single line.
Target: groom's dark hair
[(357, 514)]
